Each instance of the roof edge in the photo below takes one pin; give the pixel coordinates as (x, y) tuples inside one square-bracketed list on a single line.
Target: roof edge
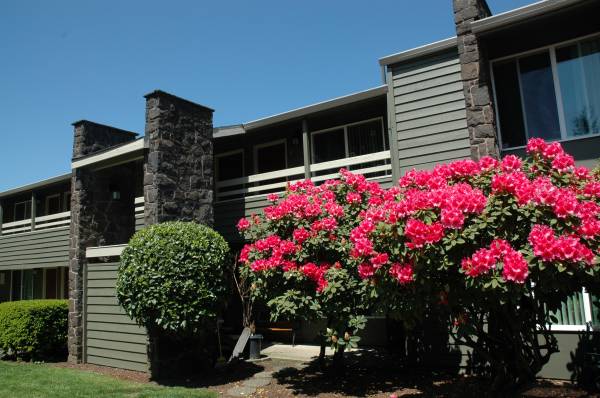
[(420, 51), (36, 184), (520, 14), (316, 107)]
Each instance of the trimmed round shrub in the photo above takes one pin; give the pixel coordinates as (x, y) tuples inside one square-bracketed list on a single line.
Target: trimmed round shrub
[(172, 276), (34, 329)]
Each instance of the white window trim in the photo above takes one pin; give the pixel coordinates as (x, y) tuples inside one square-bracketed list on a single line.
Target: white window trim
[(256, 147), (229, 153), (345, 127), (551, 48), (57, 195)]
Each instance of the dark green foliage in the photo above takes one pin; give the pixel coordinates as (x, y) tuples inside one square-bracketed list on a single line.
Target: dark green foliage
[(34, 329), (172, 276)]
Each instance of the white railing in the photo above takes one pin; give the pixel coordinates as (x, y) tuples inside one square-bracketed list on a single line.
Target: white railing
[(41, 223), (372, 165), (139, 206)]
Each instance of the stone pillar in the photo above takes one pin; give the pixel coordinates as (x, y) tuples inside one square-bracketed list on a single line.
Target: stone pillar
[(477, 85), (88, 222), (178, 167)]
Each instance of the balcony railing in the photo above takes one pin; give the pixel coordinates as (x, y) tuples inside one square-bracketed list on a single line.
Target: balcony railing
[(372, 165), (38, 223)]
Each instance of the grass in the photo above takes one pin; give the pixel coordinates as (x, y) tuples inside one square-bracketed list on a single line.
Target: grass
[(27, 380)]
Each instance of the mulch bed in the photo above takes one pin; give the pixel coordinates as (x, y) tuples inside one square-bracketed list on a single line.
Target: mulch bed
[(362, 378)]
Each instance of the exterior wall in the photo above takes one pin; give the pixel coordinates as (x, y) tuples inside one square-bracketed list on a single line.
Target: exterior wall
[(429, 106), (38, 249), (90, 218), (111, 337)]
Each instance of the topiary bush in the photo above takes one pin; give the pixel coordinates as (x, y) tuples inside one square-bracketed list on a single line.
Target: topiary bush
[(172, 276), (34, 329)]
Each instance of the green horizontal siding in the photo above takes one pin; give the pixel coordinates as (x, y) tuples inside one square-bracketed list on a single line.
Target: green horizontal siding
[(139, 221), (111, 337), (228, 213), (36, 249), (429, 111)]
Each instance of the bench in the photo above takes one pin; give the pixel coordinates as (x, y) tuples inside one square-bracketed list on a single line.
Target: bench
[(275, 328)]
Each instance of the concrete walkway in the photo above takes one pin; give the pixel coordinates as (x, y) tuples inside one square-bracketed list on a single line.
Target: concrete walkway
[(303, 353)]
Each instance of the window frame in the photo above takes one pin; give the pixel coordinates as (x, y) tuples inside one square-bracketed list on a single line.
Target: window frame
[(15, 210), (60, 204), (551, 49), (345, 128), (229, 153), (587, 311), (256, 147)]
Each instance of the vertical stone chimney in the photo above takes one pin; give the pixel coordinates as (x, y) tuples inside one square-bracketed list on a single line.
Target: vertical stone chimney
[(178, 167), (476, 80), (89, 225)]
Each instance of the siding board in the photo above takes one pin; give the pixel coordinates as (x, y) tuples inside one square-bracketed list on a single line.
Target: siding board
[(37, 249), (430, 111), (111, 337)]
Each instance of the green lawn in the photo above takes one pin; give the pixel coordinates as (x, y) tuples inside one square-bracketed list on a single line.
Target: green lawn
[(25, 380)]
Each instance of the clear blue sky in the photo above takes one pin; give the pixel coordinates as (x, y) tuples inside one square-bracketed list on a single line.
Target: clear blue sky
[(62, 61)]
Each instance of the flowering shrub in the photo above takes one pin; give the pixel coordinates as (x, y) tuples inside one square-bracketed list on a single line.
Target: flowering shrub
[(300, 254), (497, 245)]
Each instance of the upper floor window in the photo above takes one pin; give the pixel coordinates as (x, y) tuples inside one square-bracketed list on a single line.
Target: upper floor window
[(53, 204), (22, 210), (348, 141), (553, 93), (230, 165), (270, 156)]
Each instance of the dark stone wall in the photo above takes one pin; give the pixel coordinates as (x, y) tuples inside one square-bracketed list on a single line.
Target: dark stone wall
[(96, 219), (178, 167), (476, 80)]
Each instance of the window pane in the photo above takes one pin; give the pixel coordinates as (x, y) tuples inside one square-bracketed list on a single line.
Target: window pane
[(23, 210), (230, 166), (328, 146), (51, 283), (365, 138), (4, 286), (53, 205), (508, 101), (590, 52), (270, 158), (16, 285), (537, 85)]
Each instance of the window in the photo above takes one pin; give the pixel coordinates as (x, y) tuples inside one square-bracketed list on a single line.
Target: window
[(271, 156), (230, 165), (5, 285), (348, 141), (22, 210), (67, 201), (53, 204), (553, 94)]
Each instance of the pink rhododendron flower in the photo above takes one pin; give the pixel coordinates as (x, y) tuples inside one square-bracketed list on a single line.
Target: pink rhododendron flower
[(403, 273), (243, 224)]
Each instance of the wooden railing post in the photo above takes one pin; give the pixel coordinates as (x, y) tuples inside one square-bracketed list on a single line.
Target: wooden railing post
[(306, 149), (33, 209)]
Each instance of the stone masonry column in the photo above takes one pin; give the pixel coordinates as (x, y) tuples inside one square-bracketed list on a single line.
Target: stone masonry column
[(476, 80), (87, 226), (178, 167)]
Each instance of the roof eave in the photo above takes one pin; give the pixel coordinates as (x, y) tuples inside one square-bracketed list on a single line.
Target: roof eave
[(421, 51), (521, 14), (34, 185)]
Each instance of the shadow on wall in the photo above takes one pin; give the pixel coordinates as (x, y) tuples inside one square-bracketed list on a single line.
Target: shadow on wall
[(585, 361)]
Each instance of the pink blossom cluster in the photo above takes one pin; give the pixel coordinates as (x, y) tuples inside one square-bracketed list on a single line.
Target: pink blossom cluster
[(316, 273), (514, 265), (549, 247), (403, 273), (551, 152)]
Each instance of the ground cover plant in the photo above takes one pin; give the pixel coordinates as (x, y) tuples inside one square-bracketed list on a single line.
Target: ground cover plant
[(496, 246)]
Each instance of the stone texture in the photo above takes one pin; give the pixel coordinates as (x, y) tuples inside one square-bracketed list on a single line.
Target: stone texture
[(476, 80), (178, 169), (95, 219), (257, 382)]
